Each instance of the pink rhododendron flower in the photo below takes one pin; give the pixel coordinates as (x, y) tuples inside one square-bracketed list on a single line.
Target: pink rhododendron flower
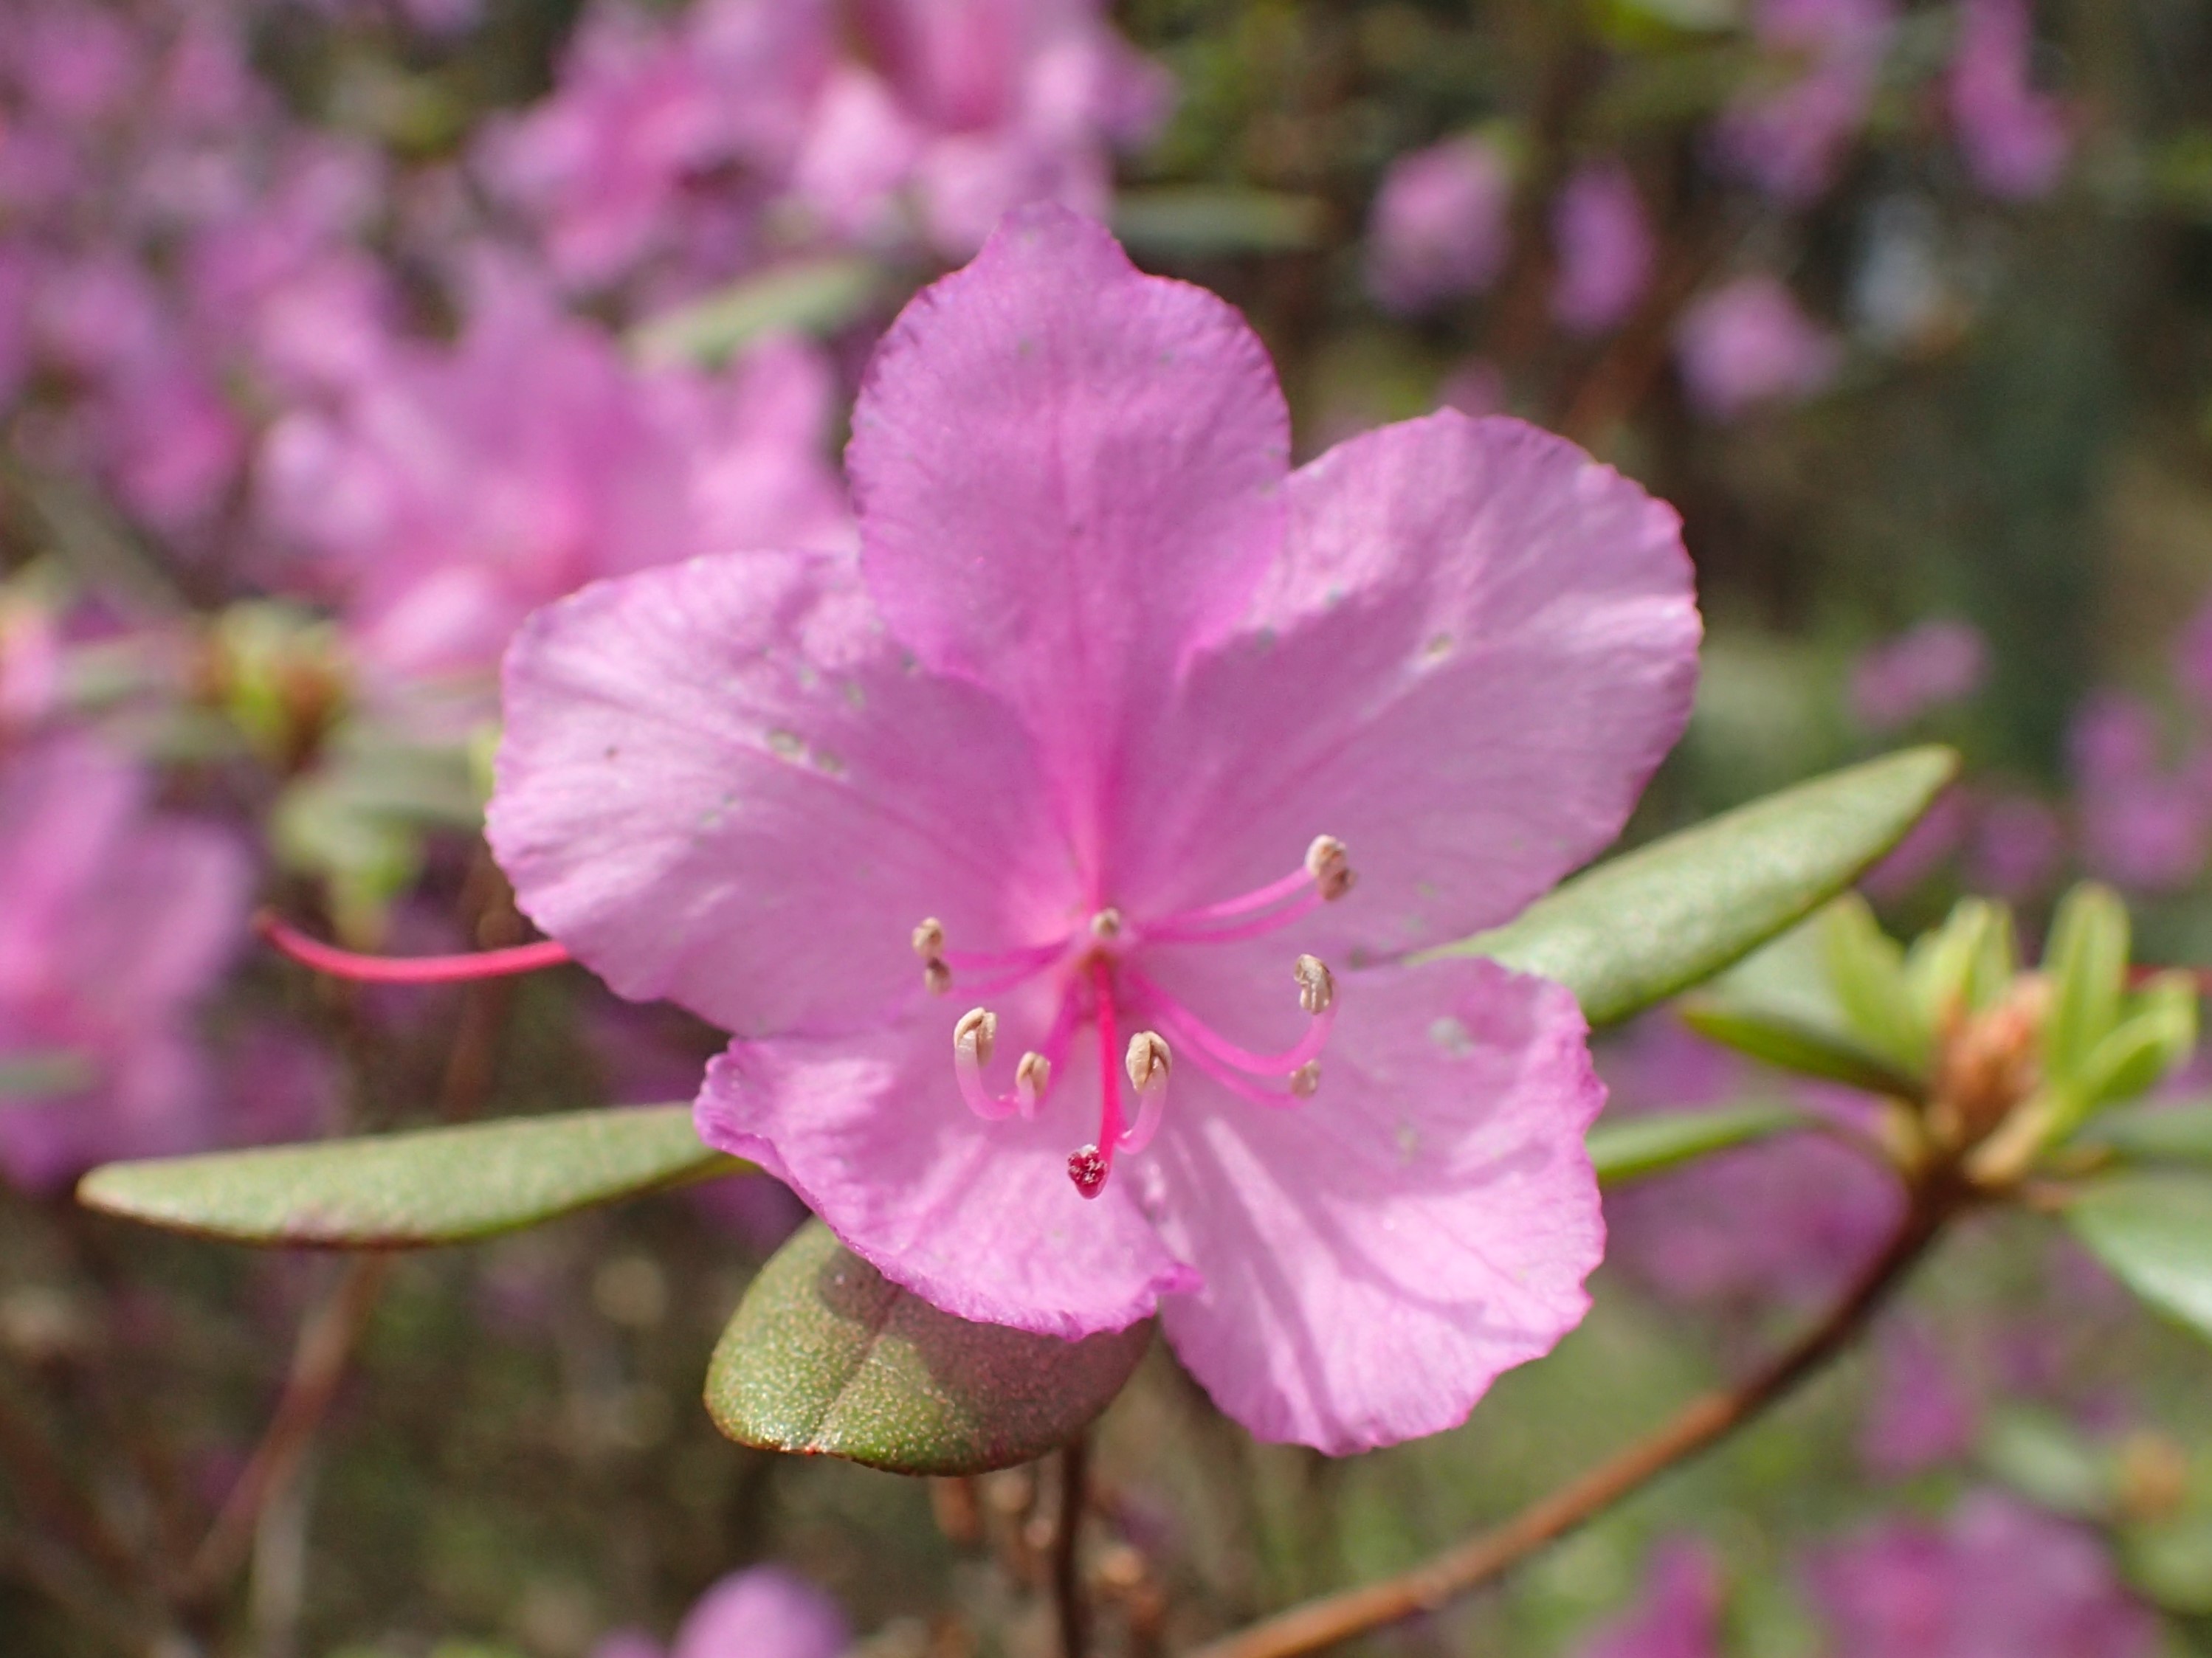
[(1922, 669), (113, 920), (1077, 730), (2015, 138), (1998, 1581), (458, 489), (1440, 230), (764, 1612), (1678, 1615), (1748, 343), (2143, 825), (1790, 139), (1605, 248)]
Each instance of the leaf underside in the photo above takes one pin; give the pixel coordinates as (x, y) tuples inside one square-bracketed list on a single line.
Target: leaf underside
[(449, 1184), (826, 1357), (1636, 929)]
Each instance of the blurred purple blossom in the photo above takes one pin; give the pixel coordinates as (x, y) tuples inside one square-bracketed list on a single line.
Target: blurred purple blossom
[(1997, 1580), (1748, 343), (2019, 846), (114, 921), (1920, 1416), (1440, 230), (1926, 846), (1676, 1615), (1789, 133), (1604, 243), (1926, 667), (765, 1611), (2015, 138), (2143, 825)]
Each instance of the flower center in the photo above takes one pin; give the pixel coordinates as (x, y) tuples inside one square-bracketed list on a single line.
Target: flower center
[(1101, 984)]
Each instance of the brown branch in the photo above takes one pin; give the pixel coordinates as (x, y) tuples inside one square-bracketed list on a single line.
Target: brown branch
[(1066, 1538), (1625, 373), (325, 1348), (43, 1484), (1332, 1618)]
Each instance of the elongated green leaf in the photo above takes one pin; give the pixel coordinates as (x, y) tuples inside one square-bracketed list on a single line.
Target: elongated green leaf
[(1798, 1045), (402, 1191), (1634, 930), (817, 296), (1636, 1146), (2154, 1232), (826, 1357), (1201, 220), (2178, 1133)]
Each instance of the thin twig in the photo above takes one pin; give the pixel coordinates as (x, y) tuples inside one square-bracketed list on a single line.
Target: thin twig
[(318, 1365), (1067, 1566), (1321, 1623), (42, 1484)]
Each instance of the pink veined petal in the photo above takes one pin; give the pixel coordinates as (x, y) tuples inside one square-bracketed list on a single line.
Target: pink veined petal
[(1478, 644), (1067, 474), (719, 784), (978, 1219), (1375, 1257)]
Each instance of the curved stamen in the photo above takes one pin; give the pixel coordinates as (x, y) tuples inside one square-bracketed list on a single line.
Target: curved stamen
[(973, 1040), (1202, 1036), (1324, 876), (1148, 1062), (1191, 1034), (338, 963), (1054, 1054)]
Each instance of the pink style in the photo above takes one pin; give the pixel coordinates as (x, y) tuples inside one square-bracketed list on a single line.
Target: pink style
[(1104, 664)]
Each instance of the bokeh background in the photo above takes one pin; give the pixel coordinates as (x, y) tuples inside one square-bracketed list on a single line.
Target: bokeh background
[(336, 335)]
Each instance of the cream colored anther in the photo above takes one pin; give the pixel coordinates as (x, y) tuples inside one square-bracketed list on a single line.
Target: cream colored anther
[(1148, 1061), (1106, 924), (1316, 984), (1330, 862), (929, 938), (976, 1036), (936, 977), (1306, 1079), (1033, 1076)]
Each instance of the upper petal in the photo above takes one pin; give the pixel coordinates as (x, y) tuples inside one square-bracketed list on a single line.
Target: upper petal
[(1066, 473), (1374, 1256), (1477, 645), (978, 1219), (721, 784)]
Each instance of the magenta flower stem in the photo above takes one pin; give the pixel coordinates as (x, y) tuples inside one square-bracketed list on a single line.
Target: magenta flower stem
[(1704, 1422), (337, 964)]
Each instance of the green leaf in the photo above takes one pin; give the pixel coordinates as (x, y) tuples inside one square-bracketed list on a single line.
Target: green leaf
[(2154, 1232), (2087, 962), (818, 297), (1201, 220), (1866, 970), (2179, 1133), (1793, 1044), (826, 1357), (402, 1191), (1636, 1146), (1636, 929)]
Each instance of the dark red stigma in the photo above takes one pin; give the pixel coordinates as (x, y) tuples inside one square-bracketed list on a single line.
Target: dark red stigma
[(1087, 1169)]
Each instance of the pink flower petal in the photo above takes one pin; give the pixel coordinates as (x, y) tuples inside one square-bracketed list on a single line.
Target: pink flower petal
[(719, 784), (978, 1219), (1478, 645), (1375, 1255), (1067, 475)]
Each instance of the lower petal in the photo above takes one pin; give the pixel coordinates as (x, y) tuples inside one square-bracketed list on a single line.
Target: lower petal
[(1375, 1257), (978, 1218)]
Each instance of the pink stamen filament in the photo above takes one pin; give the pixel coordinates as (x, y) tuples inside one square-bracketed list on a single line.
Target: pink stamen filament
[(992, 1108), (1231, 909), (1004, 981), (1192, 1035), (338, 963), (1152, 1108), (1056, 1043), (1200, 1035), (983, 961), (1298, 909)]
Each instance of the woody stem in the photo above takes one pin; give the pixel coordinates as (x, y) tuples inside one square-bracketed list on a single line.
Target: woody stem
[(1705, 1421)]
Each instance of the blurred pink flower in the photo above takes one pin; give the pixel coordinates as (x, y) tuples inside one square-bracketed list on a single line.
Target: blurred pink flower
[(2019, 847), (459, 489), (2015, 138), (2144, 825), (1748, 343), (1927, 846), (1789, 139), (114, 920), (1677, 1615), (1103, 660), (1604, 243), (1786, 1219), (1440, 230), (764, 1611), (1926, 667), (1920, 1416), (1997, 1580)]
